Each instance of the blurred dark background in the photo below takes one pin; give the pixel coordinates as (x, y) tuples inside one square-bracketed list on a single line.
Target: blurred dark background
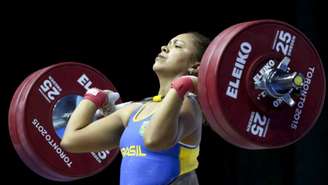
[(121, 40)]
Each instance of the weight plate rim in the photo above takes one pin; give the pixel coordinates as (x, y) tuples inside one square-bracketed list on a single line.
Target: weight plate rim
[(55, 169), (255, 23)]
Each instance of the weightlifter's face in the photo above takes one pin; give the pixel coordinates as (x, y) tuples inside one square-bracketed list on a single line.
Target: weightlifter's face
[(177, 56)]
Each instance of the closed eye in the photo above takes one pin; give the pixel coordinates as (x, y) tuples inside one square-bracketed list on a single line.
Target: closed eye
[(177, 46), (177, 43)]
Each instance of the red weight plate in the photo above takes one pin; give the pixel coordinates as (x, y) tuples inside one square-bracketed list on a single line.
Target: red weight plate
[(48, 91), (14, 135), (202, 89), (230, 136), (40, 167), (203, 97), (237, 111)]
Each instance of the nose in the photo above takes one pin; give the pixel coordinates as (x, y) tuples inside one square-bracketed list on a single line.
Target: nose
[(165, 49)]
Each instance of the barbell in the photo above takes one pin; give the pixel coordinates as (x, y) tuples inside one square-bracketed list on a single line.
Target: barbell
[(261, 86)]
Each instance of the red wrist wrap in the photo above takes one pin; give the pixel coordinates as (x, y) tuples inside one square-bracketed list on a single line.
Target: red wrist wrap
[(182, 85), (98, 97)]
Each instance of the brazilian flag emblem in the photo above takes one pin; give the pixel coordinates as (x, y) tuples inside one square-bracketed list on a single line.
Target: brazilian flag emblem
[(142, 128)]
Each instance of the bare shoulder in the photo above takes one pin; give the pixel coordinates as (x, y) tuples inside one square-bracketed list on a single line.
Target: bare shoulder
[(126, 111)]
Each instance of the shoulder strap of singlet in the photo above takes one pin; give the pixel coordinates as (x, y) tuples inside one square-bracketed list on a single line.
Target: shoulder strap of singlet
[(135, 111)]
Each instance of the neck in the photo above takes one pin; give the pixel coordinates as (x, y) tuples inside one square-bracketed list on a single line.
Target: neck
[(164, 85), (165, 80)]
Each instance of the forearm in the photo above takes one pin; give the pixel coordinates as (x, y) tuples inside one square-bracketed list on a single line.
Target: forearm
[(163, 128), (81, 117)]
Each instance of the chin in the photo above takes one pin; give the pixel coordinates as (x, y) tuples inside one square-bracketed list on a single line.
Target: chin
[(156, 67)]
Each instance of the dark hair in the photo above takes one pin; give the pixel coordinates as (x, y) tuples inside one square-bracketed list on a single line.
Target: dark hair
[(201, 43)]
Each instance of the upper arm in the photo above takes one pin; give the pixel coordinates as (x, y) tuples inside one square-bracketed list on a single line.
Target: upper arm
[(190, 118), (101, 134)]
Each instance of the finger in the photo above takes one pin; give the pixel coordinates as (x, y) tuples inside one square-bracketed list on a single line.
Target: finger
[(113, 96), (192, 71)]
